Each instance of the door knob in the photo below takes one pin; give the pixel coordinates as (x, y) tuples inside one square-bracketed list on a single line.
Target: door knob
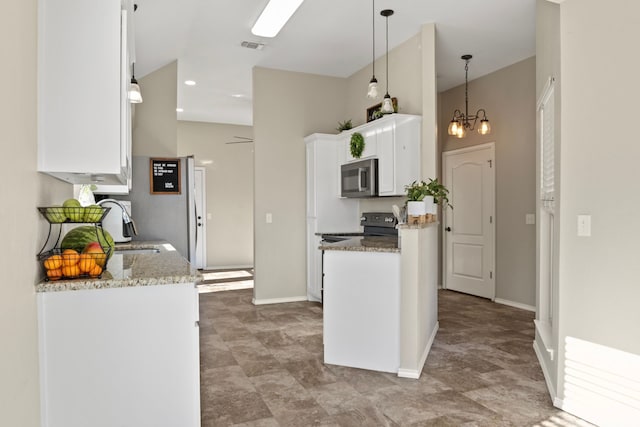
[(448, 229)]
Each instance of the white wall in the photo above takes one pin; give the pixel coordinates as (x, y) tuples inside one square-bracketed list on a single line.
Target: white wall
[(599, 290), (229, 188)]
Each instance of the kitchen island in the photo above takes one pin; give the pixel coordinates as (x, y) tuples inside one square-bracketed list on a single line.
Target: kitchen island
[(380, 300), (122, 349)]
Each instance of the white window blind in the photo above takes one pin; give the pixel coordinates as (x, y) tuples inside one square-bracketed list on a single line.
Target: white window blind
[(546, 116)]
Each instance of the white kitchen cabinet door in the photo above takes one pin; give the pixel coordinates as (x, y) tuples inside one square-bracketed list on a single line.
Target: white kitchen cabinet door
[(120, 357), (386, 161), (370, 135), (80, 90)]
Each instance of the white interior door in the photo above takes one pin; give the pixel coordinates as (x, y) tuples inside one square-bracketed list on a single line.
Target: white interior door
[(469, 228), (201, 223)]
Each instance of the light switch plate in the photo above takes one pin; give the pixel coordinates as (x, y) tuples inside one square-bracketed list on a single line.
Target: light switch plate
[(584, 225), (269, 218), (530, 219)]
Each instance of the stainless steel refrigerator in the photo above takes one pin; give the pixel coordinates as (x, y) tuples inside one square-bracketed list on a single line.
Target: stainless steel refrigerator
[(165, 216)]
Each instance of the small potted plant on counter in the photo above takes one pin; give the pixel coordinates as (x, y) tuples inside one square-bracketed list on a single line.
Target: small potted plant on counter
[(422, 200)]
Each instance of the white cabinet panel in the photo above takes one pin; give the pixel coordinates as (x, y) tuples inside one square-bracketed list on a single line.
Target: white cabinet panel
[(395, 141), (80, 90), (120, 356)]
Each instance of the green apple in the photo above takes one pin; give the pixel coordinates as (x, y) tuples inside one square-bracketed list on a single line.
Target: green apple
[(73, 210), (55, 214), (92, 213)]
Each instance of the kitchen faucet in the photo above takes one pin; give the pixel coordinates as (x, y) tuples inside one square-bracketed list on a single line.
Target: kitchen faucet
[(128, 226)]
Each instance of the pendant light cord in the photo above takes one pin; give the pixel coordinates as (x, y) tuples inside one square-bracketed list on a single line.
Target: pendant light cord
[(387, 25), (466, 92), (373, 32)]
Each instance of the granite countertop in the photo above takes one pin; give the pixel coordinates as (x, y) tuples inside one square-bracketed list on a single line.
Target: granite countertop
[(364, 244), (124, 270)]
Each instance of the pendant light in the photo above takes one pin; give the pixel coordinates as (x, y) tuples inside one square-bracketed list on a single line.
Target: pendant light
[(387, 105), (373, 83), (461, 122), (134, 95)]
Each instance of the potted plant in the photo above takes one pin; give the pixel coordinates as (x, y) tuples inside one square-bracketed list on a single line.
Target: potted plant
[(419, 201), (423, 198), (346, 125), (439, 192)]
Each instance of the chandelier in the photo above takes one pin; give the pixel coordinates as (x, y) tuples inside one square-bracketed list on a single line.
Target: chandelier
[(461, 122)]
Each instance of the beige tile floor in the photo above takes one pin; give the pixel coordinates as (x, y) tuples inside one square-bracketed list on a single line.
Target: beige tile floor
[(262, 366)]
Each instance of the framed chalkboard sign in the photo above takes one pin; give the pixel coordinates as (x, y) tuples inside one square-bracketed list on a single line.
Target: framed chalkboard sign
[(164, 176)]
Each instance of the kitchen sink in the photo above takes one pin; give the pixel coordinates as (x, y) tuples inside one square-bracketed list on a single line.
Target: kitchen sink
[(135, 251)]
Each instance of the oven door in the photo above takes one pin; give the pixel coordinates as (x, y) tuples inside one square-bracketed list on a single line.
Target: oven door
[(359, 179)]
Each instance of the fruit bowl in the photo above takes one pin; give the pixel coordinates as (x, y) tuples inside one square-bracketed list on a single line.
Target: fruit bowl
[(66, 264), (60, 214)]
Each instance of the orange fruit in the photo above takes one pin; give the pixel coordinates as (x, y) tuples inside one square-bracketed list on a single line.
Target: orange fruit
[(54, 262), (70, 257), (86, 263), (54, 274), (95, 271), (71, 270)]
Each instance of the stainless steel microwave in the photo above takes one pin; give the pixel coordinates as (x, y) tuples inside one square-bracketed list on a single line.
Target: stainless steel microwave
[(359, 179)]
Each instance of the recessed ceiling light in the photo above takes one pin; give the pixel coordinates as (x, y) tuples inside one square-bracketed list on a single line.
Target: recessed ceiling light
[(179, 110), (274, 16), (189, 82), (237, 95)]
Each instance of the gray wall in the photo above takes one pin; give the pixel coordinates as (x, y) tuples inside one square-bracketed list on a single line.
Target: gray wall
[(508, 95), (229, 188), (23, 229), (287, 107), (155, 126)]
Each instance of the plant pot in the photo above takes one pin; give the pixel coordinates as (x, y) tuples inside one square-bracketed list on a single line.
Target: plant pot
[(416, 208)]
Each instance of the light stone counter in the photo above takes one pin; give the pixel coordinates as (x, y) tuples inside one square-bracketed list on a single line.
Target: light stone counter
[(125, 270), (364, 244)]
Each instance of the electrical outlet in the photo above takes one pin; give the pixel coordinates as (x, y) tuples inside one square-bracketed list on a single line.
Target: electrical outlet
[(530, 219), (269, 218)]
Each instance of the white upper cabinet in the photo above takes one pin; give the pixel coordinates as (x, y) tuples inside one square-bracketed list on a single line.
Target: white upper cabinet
[(395, 141), (84, 128)]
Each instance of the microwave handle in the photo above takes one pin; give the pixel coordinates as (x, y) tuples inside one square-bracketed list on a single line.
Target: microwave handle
[(361, 171)]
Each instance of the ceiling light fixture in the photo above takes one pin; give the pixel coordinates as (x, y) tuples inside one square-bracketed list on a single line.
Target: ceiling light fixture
[(461, 122), (133, 94), (189, 82), (372, 92), (179, 110), (275, 14), (387, 104)]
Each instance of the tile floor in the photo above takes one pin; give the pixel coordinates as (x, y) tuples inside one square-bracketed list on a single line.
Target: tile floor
[(262, 366)]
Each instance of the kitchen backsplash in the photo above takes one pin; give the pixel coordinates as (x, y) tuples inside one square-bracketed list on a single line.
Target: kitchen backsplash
[(381, 204)]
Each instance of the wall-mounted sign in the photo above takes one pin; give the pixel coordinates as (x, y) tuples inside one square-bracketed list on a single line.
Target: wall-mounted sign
[(164, 176)]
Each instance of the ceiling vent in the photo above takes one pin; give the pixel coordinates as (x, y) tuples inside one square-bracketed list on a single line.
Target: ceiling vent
[(252, 45)]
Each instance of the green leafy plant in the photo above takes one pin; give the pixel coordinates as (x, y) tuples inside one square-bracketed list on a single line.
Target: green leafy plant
[(416, 191), (419, 189), (357, 144), (346, 125)]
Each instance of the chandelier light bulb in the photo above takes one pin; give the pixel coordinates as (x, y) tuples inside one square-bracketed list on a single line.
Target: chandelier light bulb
[(485, 127), (453, 127), (461, 132)]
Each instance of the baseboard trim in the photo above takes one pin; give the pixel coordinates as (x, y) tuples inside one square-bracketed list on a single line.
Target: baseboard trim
[(229, 267), (547, 378), (415, 373), (255, 301), (515, 304)]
